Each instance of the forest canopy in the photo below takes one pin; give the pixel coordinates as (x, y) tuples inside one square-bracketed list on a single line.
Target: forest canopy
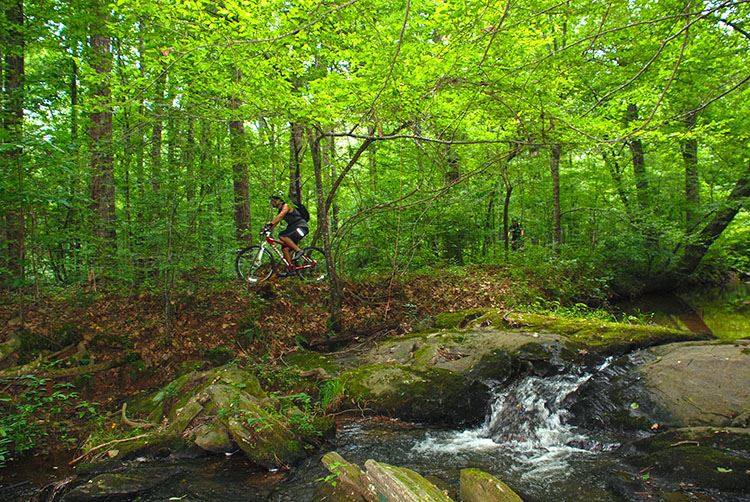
[(141, 139)]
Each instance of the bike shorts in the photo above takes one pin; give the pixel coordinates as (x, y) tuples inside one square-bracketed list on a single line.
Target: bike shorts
[(294, 233)]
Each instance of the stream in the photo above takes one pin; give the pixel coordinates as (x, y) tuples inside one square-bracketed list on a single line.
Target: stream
[(528, 438)]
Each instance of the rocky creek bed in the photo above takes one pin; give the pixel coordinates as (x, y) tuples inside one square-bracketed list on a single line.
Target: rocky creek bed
[(563, 408)]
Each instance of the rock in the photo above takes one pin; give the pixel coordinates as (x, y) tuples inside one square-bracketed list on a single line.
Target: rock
[(353, 484), (439, 376), (399, 484), (119, 485), (380, 483), (430, 395), (214, 438), (478, 486), (701, 384), (701, 458), (675, 385), (220, 410)]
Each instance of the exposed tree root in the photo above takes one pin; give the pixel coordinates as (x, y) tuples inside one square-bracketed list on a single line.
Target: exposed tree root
[(72, 371), (136, 424), (108, 443)]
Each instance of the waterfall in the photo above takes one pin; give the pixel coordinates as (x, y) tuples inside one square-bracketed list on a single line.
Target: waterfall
[(528, 420)]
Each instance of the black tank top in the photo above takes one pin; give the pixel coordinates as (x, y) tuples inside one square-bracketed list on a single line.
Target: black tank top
[(293, 218)]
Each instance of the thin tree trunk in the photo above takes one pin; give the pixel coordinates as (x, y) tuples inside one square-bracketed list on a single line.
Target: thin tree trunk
[(188, 159), (296, 145), (13, 83), (554, 166), (373, 161), (616, 174), (689, 149), (156, 131), (506, 222), (454, 237), (639, 163), (100, 131), (239, 169), (334, 320)]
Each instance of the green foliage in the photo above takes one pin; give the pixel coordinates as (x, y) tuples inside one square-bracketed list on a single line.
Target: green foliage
[(35, 409), (441, 73)]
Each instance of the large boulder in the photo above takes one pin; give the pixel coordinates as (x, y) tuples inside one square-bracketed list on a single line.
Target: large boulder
[(219, 411), (677, 385), (439, 375)]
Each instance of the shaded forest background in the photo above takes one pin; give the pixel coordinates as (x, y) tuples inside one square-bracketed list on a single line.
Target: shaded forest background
[(141, 138)]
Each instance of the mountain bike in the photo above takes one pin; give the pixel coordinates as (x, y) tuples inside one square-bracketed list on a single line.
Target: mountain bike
[(256, 264)]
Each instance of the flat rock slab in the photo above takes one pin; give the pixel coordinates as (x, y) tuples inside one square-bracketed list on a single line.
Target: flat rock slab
[(701, 384), (118, 486)]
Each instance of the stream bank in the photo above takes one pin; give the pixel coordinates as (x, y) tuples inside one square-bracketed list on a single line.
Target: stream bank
[(519, 396)]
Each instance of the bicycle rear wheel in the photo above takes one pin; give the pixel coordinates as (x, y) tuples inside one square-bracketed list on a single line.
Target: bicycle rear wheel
[(254, 265), (316, 267)]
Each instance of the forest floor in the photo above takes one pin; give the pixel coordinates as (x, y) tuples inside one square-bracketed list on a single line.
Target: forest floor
[(214, 322)]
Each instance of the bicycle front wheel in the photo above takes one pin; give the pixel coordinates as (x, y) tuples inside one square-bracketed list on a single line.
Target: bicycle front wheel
[(315, 266), (254, 265)]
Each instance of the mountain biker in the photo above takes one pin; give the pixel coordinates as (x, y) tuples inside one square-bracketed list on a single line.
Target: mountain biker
[(296, 227)]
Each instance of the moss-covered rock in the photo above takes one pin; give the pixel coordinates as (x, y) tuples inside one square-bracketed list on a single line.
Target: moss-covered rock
[(702, 457), (433, 395), (381, 482), (438, 376), (352, 483), (222, 409), (479, 486), (399, 483), (120, 485)]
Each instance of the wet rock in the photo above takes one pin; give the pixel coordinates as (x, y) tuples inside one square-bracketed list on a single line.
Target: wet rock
[(352, 483), (478, 486), (701, 384), (696, 458), (402, 484), (677, 385), (380, 482), (440, 376), (115, 486), (430, 395)]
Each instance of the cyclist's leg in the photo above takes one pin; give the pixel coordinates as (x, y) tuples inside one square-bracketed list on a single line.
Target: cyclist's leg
[(286, 248)]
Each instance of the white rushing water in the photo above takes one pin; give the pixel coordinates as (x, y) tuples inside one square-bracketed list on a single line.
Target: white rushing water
[(528, 422)]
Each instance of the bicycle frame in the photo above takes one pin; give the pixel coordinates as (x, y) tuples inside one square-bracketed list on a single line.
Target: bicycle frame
[(272, 245)]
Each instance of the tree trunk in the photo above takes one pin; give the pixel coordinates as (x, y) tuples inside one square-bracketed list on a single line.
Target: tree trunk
[(13, 83), (334, 320), (506, 222), (188, 159), (239, 168), (616, 174), (689, 149), (100, 131), (554, 166), (639, 164), (296, 145), (372, 160), (699, 244), (455, 233), (156, 131)]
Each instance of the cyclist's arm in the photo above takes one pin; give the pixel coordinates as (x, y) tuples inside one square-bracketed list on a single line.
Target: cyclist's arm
[(280, 216)]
